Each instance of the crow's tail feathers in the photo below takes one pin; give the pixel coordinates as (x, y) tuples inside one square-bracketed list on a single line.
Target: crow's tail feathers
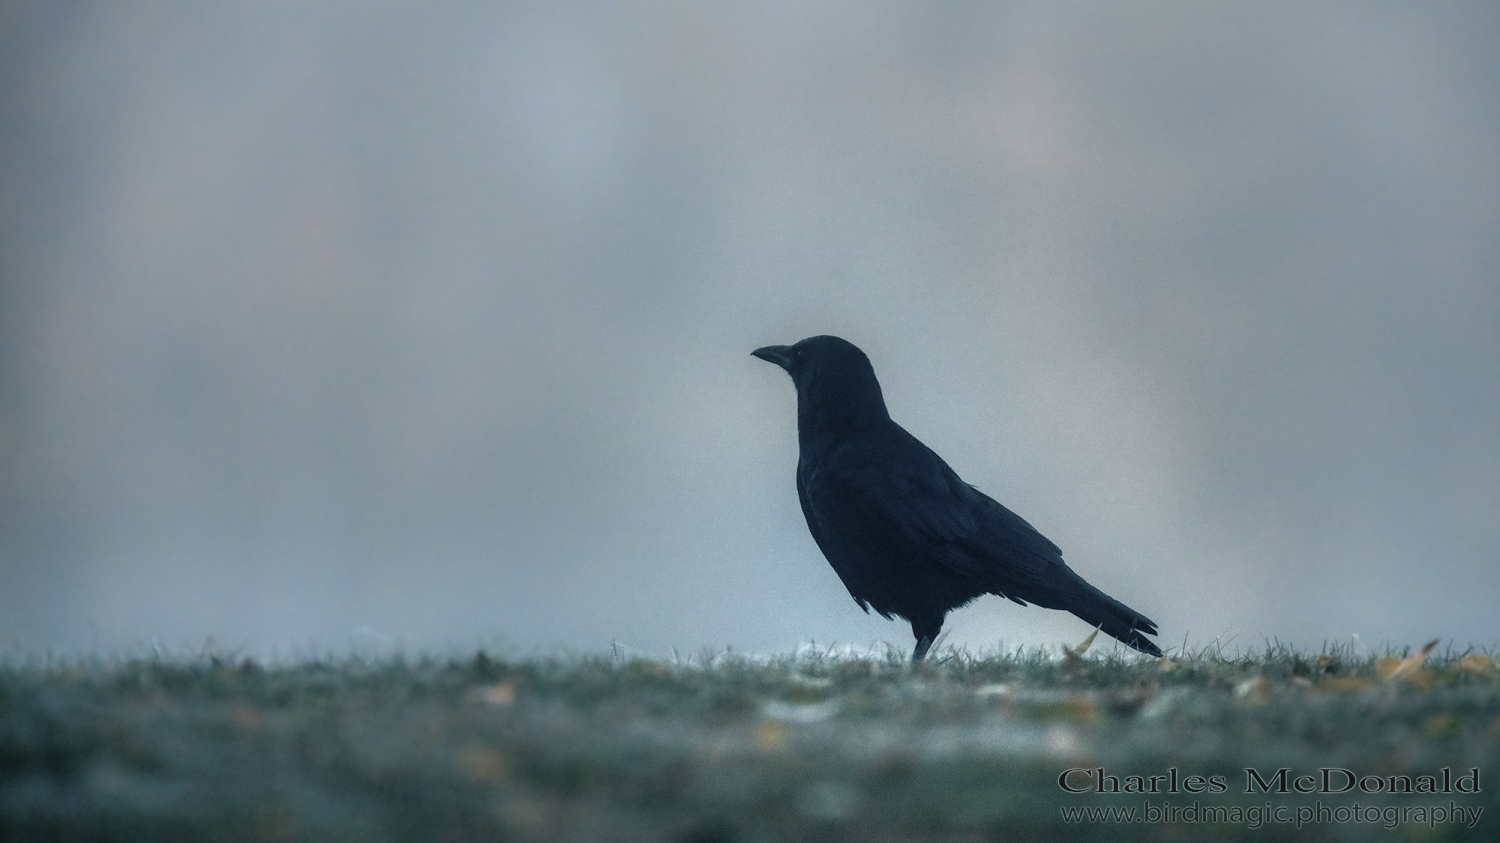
[(1116, 619)]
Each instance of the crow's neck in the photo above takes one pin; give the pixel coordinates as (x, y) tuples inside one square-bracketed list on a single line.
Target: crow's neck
[(837, 410)]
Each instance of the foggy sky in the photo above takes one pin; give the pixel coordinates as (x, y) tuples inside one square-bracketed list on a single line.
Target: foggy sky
[(426, 326)]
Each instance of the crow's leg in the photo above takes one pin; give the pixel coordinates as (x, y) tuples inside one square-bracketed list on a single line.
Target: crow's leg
[(926, 630), (923, 644)]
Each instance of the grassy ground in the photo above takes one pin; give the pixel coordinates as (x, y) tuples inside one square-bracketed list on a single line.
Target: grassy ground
[(815, 746)]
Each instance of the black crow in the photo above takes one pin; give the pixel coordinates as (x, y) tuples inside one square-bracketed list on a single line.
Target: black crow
[(904, 533)]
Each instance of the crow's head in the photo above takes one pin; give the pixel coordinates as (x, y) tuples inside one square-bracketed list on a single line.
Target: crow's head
[(836, 385), (814, 355)]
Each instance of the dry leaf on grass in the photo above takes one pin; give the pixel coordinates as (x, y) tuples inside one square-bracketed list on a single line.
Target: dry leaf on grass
[(1476, 663), (1256, 689), (1408, 669), (1074, 658)]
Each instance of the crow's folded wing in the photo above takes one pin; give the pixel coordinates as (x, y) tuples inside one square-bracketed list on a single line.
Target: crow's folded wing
[(950, 522)]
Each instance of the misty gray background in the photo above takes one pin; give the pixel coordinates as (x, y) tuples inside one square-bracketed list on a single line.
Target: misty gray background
[(428, 325)]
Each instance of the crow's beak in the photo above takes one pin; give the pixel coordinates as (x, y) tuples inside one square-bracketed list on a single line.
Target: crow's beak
[(781, 355)]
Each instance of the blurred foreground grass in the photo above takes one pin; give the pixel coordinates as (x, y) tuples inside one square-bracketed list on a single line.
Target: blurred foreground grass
[(815, 746)]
